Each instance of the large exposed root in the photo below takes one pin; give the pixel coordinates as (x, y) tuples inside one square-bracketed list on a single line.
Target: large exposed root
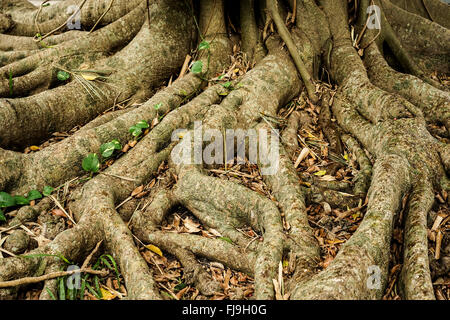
[(380, 114), (434, 103), (27, 119)]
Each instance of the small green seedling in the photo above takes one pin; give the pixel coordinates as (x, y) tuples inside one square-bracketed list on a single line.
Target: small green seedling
[(136, 130), (107, 149), (197, 67), (226, 239), (91, 163), (227, 84), (34, 195), (47, 191), (204, 45), (62, 75), (7, 200)]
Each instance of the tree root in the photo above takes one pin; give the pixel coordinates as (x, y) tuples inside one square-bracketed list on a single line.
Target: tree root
[(52, 17), (416, 33), (434, 103), (373, 118)]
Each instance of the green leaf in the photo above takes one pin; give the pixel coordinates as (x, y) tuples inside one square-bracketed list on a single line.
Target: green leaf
[(6, 200), (197, 67), (97, 286), (204, 45), (62, 289), (95, 293), (2, 216), (180, 286), (226, 239), (50, 293), (21, 200), (47, 191), (320, 173), (157, 106), (62, 75), (91, 163), (116, 269), (136, 130), (107, 149), (33, 195), (227, 84), (142, 124), (83, 288)]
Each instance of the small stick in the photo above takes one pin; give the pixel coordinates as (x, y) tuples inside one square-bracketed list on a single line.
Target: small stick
[(170, 291), (53, 275), (61, 26), (101, 17), (439, 237), (89, 257), (7, 252), (119, 177), (287, 38), (123, 202), (294, 12), (62, 208), (185, 66)]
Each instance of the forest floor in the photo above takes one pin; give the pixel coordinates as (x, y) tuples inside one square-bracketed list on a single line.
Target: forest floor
[(332, 227)]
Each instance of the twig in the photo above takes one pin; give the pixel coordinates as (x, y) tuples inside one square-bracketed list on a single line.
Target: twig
[(119, 177), (185, 66), (62, 25), (287, 38), (101, 17), (36, 24), (170, 291), (153, 260), (294, 12), (62, 208), (123, 202), (7, 252), (89, 257), (53, 275)]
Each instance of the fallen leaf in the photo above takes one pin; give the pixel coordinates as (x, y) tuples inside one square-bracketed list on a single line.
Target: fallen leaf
[(107, 295), (59, 213), (191, 226), (89, 76), (137, 190), (154, 249)]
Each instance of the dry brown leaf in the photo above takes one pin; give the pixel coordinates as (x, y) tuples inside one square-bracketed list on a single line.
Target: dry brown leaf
[(191, 226), (137, 190)]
